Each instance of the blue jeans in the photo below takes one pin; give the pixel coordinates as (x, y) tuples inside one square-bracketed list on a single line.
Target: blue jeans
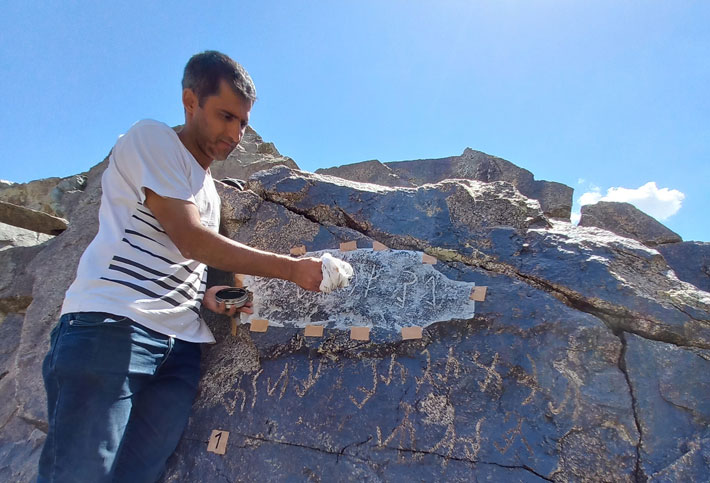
[(119, 396)]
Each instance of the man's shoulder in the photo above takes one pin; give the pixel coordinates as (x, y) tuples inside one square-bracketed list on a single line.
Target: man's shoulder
[(149, 126), (150, 134)]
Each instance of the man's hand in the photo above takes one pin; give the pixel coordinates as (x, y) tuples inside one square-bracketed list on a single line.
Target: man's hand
[(308, 273), (210, 301)]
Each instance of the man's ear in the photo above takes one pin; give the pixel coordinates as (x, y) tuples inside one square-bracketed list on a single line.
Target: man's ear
[(189, 101)]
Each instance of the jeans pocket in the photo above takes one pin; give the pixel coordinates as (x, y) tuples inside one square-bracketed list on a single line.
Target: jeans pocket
[(93, 319), (54, 335)]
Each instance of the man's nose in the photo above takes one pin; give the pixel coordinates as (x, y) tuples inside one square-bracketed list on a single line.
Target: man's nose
[(236, 133)]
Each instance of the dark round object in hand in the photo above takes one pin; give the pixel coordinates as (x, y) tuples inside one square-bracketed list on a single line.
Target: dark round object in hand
[(233, 297)]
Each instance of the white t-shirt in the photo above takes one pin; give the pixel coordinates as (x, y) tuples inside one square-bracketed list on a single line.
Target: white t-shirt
[(132, 268)]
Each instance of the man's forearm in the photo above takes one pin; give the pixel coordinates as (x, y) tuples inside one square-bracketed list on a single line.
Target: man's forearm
[(220, 252), (181, 221)]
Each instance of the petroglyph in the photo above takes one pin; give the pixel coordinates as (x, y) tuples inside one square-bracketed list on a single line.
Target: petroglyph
[(405, 429), (374, 274), (253, 387), (283, 377), (412, 279), (453, 367), (471, 446), (491, 374), (433, 407), (390, 371), (511, 435), (311, 380), (368, 392), (426, 376), (437, 410), (574, 383), (230, 404), (389, 290), (528, 380)]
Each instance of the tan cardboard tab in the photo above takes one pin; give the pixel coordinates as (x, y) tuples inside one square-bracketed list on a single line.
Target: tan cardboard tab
[(218, 441), (428, 259), (259, 325), (360, 333), (411, 333), (234, 326), (348, 246), (298, 250), (378, 247), (478, 294), (314, 331)]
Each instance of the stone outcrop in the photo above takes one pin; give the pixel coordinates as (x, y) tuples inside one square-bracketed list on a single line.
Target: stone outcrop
[(31, 296), (250, 156), (555, 198), (368, 172), (542, 382), (626, 220), (588, 360), (33, 220), (690, 261), (12, 236), (50, 195)]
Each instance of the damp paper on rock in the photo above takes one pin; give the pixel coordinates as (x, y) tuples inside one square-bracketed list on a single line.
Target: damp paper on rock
[(336, 273)]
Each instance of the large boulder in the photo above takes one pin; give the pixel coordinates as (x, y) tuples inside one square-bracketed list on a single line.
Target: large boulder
[(542, 381), (251, 155), (555, 198), (50, 195), (626, 220), (690, 261), (583, 352), (489, 225), (32, 220), (368, 172), (444, 214)]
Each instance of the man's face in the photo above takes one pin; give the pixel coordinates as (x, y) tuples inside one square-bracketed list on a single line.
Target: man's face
[(220, 122)]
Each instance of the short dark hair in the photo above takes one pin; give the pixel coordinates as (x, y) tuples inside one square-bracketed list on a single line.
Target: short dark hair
[(205, 71)]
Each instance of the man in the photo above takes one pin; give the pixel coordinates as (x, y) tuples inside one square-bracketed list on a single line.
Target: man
[(123, 367)]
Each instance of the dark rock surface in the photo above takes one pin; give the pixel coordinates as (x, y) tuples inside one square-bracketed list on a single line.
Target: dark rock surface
[(518, 391), (588, 360), (368, 172), (537, 385), (626, 220), (690, 261), (443, 214), (674, 422), (615, 278), (555, 198)]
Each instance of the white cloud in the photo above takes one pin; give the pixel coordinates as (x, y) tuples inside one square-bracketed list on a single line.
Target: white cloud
[(589, 198), (660, 203)]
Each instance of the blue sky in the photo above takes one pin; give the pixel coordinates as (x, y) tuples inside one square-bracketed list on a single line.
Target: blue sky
[(604, 96)]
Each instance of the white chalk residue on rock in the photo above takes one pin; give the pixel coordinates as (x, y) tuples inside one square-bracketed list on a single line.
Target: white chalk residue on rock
[(390, 290)]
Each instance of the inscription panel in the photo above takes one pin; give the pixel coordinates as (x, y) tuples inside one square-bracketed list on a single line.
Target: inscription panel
[(389, 289)]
